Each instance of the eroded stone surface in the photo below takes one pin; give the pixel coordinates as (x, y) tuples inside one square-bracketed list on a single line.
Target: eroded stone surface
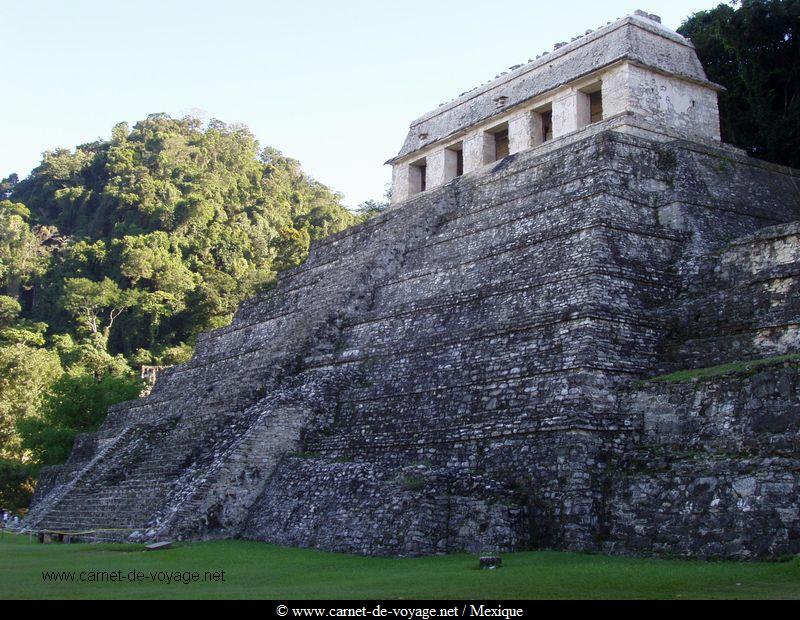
[(459, 374)]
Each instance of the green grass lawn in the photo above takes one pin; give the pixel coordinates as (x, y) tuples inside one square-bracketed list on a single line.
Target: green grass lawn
[(254, 570)]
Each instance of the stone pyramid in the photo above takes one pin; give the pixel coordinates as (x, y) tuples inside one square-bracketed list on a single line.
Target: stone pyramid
[(468, 371)]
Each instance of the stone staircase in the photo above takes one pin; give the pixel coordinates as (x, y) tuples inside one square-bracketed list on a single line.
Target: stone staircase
[(198, 468), (51, 501)]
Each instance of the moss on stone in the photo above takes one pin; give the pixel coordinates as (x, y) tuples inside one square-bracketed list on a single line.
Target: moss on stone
[(306, 455), (414, 483), (732, 369)]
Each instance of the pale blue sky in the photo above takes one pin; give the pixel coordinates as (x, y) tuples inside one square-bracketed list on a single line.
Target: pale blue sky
[(333, 84)]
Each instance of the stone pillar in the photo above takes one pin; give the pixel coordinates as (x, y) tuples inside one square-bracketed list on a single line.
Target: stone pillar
[(571, 112), (435, 175), (616, 90), (406, 181), (450, 165), (478, 151), (399, 182), (524, 132)]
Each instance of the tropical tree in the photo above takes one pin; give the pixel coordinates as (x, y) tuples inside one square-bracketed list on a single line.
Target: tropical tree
[(95, 305), (77, 403), (22, 255), (27, 373)]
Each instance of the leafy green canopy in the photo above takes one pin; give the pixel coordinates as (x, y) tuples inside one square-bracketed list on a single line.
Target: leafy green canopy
[(76, 403), (754, 51), (16, 485), (174, 225)]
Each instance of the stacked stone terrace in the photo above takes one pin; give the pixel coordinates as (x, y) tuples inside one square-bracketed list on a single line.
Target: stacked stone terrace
[(462, 372)]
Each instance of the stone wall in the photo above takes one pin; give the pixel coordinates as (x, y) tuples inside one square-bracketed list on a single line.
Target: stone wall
[(741, 302), (451, 375), (716, 473)]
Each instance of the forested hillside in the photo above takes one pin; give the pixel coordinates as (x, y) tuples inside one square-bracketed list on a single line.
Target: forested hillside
[(118, 253)]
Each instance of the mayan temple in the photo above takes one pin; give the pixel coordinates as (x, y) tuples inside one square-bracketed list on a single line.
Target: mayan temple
[(472, 369)]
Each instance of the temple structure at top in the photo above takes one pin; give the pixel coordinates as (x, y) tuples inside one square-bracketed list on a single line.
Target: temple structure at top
[(633, 75)]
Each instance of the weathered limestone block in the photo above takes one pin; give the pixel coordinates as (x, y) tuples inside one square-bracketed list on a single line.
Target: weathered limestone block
[(442, 167), (525, 131), (400, 183), (716, 472), (478, 151), (570, 112)]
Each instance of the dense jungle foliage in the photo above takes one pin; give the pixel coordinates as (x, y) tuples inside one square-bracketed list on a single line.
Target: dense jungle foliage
[(752, 48)]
